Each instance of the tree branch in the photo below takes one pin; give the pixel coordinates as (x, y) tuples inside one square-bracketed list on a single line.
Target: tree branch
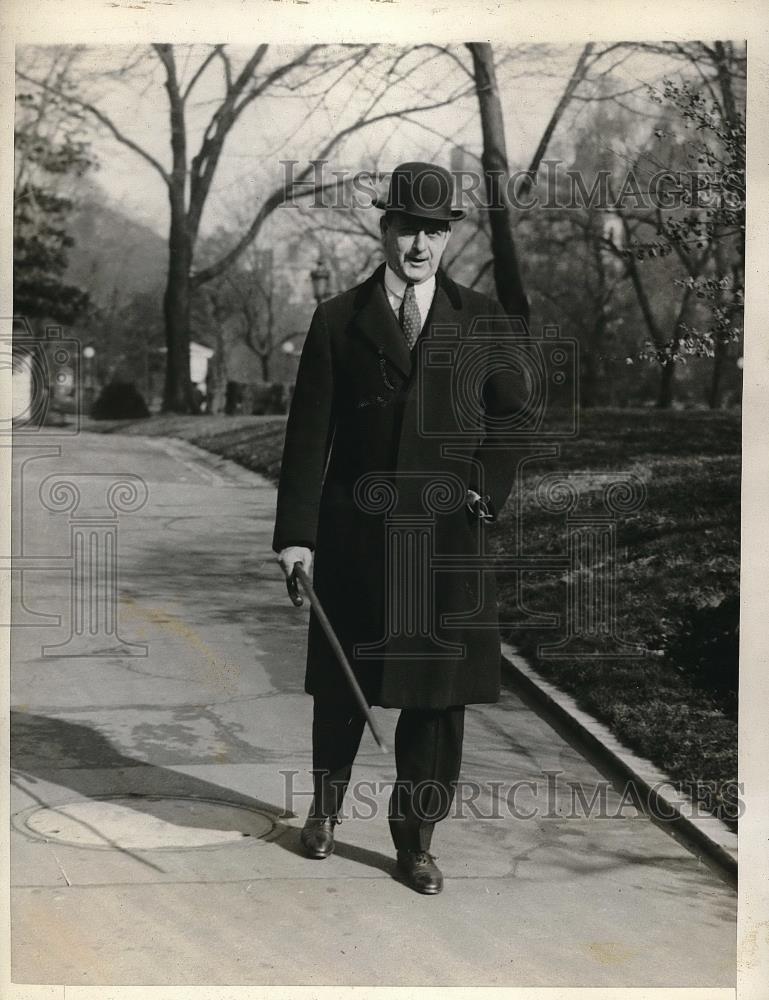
[(215, 51), (576, 78), (484, 268), (204, 164), (105, 120)]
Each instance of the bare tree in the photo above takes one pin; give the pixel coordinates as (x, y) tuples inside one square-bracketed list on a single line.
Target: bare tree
[(501, 215), (496, 172)]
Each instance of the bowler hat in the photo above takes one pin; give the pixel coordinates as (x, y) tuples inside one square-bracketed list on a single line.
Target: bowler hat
[(422, 189)]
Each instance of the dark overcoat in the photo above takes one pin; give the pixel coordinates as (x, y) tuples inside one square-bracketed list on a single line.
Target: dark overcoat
[(381, 447)]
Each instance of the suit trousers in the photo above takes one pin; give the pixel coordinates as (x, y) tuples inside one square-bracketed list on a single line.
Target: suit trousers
[(428, 757)]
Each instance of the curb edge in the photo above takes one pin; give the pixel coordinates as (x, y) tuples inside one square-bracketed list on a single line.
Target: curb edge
[(708, 833)]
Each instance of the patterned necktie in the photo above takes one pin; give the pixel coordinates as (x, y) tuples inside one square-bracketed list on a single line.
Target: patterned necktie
[(409, 315)]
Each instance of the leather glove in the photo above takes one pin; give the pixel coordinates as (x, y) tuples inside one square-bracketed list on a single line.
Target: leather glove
[(288, 558), (480, 506)]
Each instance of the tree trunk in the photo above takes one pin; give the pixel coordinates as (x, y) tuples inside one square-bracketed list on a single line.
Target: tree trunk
[(714, 395), (507, 274), (597, 331), (667, 379), (589, 355), (177, 397), (667, 382), (216, 384), (589, 382), (668, 368), (728, 305)]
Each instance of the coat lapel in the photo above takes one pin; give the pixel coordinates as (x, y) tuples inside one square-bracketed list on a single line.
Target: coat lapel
[(379, 325), (446, 303)]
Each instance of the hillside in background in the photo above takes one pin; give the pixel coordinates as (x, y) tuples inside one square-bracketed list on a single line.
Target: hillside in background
[(114, 257)]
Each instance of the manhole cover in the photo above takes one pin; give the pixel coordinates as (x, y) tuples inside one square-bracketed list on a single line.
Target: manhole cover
[(146, 823)]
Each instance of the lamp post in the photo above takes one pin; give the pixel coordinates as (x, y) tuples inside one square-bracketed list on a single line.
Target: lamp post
[(88, 387), (320, 277)]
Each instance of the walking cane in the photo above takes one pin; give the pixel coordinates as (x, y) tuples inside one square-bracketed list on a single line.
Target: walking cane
[(304, 579)]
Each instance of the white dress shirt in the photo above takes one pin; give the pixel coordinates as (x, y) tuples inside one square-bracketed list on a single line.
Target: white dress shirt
[(395, 288)]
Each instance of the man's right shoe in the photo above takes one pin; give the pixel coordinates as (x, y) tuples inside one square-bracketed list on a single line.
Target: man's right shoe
[(317, 836)]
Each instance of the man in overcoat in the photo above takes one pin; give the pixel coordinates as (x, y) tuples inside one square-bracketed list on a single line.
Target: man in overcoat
[(392, 464)]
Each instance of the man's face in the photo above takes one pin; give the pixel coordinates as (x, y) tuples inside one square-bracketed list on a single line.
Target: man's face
[(414, 246)]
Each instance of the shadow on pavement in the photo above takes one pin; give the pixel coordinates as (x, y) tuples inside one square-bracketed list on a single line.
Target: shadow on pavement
[(48, 749)]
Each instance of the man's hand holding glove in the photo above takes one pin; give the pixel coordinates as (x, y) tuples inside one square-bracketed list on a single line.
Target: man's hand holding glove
[(480, 507), (287, 558)]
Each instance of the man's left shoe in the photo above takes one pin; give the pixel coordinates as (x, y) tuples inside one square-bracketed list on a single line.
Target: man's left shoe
[(420, 871)]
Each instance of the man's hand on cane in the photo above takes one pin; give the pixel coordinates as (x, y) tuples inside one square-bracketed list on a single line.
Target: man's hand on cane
[(287, 558)]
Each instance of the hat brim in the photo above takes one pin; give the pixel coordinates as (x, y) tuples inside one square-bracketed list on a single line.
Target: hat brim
[(453, 215)]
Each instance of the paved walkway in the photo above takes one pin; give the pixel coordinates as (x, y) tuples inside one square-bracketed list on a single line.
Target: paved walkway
[(155, 837)]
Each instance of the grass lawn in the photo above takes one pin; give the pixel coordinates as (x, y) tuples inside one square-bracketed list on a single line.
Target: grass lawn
[(253, 442), (677, 576), (677, 587)]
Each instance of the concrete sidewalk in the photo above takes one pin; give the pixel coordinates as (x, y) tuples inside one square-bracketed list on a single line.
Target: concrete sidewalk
[(155, 833)]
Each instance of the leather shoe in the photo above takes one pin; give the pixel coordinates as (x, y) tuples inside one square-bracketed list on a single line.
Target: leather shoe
[(420, 871), (317, 836)]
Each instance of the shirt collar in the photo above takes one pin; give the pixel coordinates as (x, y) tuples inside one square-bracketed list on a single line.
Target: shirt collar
[(396, 286)]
